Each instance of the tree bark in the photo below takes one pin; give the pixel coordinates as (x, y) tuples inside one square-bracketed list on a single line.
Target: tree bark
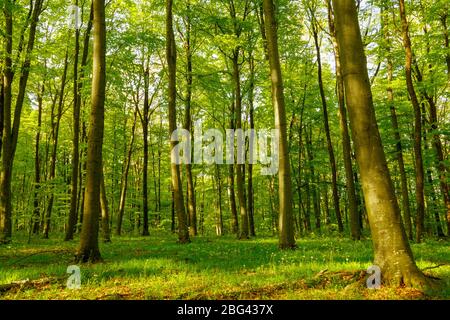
[(231, 192), (124, 183), (11, 128), (330, 149), (240, 183), (145, 119), (219, 215), (312, 176), (89, 250), (443, 19), (55, 137), (346, 146), (77, 85), (399, 149), (391, 248), (37, 166), (106, 231), (191, 203), (286, 228), (171, 56), (420, 200), (250, 197)]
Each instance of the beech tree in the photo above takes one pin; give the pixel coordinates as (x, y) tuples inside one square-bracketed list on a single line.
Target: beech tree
[(89, 250), (391, 248)]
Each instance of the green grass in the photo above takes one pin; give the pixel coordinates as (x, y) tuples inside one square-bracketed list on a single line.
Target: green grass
[(156, 267)]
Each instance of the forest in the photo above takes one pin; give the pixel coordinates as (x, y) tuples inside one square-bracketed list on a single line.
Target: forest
[(227, 149)]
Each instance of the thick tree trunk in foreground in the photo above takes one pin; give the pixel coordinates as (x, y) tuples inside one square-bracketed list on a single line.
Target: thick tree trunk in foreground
[(286, 227), (391, 248), (171, 56), (89, 250)]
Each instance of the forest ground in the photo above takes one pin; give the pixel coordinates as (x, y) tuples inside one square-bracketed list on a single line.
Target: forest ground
[(156, 267)]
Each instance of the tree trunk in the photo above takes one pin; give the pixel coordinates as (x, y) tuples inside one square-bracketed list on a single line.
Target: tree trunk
[(440, 160), (191, 205), (286, 228), (145, 119), (420, 201), (327, 129), (171, 56), (37, 166), (124, 183), (391, 248), (11, 128), (231, 192), (106, 232), (250, 197), (312, 176), (401, 165), (55, 136), (219, 217), (82, 186), (446, 41), (346, 146), (77, 85), (89, 250), (240, 184)]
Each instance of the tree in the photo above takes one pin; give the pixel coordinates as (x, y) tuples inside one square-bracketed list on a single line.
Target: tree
[(391, 248), (124, 181), (55, 120), (177, 187), (420, 201), (286, 227), (314, 26), (10, 130), (395, 126), (89, 250), (191, 204), (77, 87), (346, 146)]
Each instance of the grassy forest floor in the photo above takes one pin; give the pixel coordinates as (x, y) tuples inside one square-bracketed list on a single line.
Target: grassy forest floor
[(156, 267)]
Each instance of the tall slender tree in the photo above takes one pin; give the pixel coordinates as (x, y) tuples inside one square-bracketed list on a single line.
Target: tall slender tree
[(78, 76), (191, 204), (394, 119), (11, 127), (177, 187), (286, 227), (89, 249), (331, 157)]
